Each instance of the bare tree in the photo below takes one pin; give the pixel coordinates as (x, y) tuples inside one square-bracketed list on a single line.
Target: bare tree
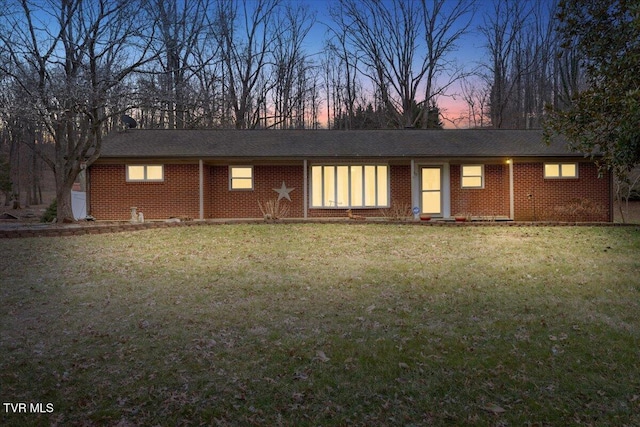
[(524, 62), (181, 27), (343, 61), (290, 62), (475, 92), (388, 37), (569, 76), (245, 43), (68, 56), (503, 31), (445, 23)]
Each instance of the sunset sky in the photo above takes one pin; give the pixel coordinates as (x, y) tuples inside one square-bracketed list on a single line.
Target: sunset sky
[(471, 49), (469, 53)]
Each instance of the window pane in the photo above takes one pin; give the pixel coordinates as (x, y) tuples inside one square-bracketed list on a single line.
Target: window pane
[(316, 182), (135, 173), (241, 184), (431, 202), (356, 186), (382, 186), (329, 198), (343, 186), (430, 179), (471, 181), (552, 170), (154, 173), (370, 185), (472, 171), (569, 170), (241, 172)]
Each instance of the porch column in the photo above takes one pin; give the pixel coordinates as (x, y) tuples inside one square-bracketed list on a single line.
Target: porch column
[(415, 197), (511, 194), (201, 188), (446, 190), (305, 188)]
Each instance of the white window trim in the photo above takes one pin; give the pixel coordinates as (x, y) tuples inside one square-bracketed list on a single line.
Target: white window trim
[(231, 178), (145, 179), (350, 206), (462, 176), (544, 170)]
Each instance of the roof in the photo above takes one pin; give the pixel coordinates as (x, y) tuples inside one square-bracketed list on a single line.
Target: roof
[(405, 143)]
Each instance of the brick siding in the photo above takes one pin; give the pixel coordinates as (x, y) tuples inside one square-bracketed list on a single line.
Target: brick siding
[(244, 203), (492, 200), (586, 198), (536, 199), (111, 196)]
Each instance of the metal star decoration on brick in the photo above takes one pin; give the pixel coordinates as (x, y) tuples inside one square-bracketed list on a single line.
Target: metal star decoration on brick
[(283, 192)]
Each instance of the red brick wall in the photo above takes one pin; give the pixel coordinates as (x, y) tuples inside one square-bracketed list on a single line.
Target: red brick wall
[(244, 203), (583, 199), (111, 197), (492, 200)]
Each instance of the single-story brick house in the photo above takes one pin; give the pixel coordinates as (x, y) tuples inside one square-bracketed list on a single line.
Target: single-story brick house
[(203, 174)]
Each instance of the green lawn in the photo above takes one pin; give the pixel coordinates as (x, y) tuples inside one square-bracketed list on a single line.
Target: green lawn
[(324, 324)]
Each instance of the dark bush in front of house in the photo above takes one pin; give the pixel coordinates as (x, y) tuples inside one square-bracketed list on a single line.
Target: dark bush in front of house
[(51, 213)]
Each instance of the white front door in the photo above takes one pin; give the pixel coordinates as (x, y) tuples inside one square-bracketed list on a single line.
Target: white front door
[(431, 190)]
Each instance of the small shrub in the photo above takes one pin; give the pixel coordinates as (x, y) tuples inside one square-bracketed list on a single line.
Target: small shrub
[(51, 213), (579, 210), (272, 209), (397, 212)]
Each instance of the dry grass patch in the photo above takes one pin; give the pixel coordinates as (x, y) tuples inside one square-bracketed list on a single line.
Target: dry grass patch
[(324, 324)]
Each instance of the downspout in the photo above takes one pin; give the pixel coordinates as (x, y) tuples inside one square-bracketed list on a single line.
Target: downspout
[(87, 192), (201, 188), (305, 201), (511, 192)]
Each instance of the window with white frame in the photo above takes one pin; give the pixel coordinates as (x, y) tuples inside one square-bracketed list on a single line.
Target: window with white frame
[(349, 186), (472, 176), (240, 177), (560, 170), (145, 173)]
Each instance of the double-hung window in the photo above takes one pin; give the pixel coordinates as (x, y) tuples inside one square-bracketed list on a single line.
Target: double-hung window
[(349, 186), (145, 173), (240, 178), (473, 176)]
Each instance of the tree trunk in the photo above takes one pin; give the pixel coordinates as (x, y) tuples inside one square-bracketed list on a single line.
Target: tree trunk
[(64, 212), (14, 158)]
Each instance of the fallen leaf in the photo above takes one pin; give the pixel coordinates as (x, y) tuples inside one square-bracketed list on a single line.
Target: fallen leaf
[(494, 409), (403, 365), (321, 356), (301, 376)]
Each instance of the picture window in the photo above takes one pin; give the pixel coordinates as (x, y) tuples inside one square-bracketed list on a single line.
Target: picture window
[(349, 186)]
